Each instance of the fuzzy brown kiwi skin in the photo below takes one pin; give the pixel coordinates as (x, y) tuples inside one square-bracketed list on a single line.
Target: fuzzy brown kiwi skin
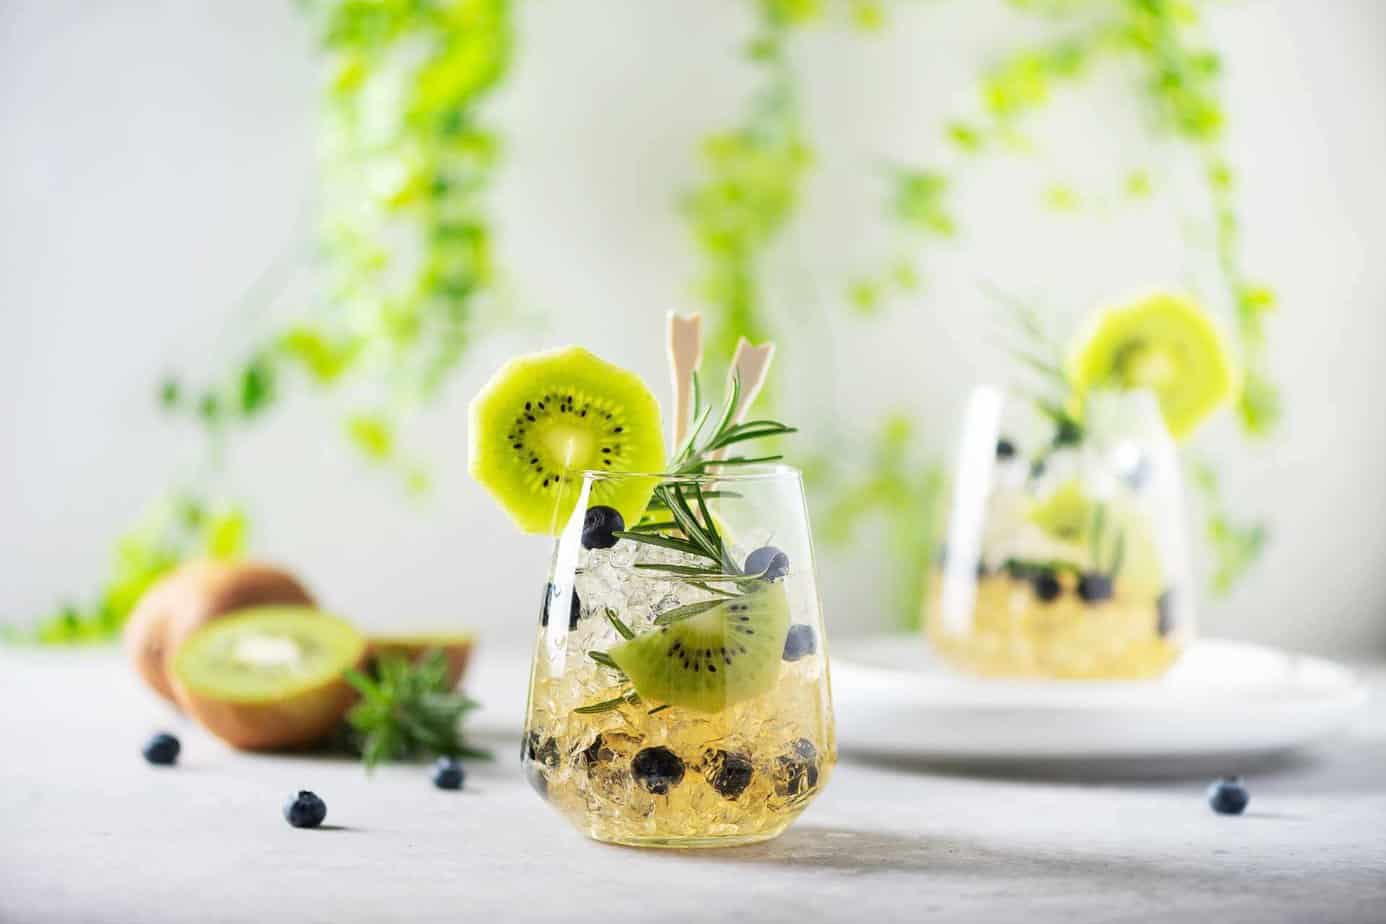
[(457, 651), (291, 724), (191, 596)]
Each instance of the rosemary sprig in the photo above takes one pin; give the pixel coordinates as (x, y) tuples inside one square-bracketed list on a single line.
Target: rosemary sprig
[(678, 519), (406, 711), (695, 456)]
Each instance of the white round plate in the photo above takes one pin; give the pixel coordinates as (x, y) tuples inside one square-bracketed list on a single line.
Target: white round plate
[(894, 698)]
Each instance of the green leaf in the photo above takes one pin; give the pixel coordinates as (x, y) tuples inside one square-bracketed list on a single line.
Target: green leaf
[(687, 611)]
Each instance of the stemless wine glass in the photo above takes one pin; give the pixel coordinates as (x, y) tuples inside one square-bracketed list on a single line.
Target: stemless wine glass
[(1066, 554), (679, 693)]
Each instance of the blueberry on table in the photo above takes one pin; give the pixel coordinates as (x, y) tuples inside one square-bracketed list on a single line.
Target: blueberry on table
[(801, 641), (599, 524), (767, 562), (305, 810), (1046, 585), (448, 773), (162, 750), (1094, 587), (1228, 796), (657, 769)]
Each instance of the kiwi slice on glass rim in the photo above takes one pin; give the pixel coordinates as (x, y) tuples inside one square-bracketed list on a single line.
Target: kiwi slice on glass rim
[(545, 418), (718, 658), (1163, 342)]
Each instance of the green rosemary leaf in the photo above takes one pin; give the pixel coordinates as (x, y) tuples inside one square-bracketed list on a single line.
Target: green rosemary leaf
[(687, 611), (664, 542), (607, 705), (658, 709), (687, 451), (742, 460), (604, 659), (688, 522), (697, 394), (702, 574), (753, 430), (713, 535), (654, 527), (621, 628)]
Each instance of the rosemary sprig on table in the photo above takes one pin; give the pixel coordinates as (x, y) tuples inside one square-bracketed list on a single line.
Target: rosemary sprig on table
[(407, 711)]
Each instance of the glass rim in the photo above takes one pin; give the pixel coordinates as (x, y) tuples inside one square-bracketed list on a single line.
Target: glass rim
[(761, 471)]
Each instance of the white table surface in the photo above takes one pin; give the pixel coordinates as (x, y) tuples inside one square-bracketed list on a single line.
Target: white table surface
[(89, 832)]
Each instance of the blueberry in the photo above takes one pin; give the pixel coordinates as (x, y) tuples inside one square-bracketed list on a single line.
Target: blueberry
[(1046, 584), (574, 608), (597, 752), (1094, 587), (448, 773), (1019, 570), (541, 750), (1228, 796), (1164, 605), (598, 526), (1005, 449), (767, 562), (657, 769), (727, 773), (305, 810), (162, 750), (798, 769), (1068, 433), (801, 641)]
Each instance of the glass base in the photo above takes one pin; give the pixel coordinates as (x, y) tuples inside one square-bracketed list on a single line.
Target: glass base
[(689, 843)]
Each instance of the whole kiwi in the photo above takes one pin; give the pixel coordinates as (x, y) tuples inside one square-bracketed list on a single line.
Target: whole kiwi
[(192, 595)]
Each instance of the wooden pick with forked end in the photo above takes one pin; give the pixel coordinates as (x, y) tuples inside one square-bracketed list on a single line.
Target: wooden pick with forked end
[(752, 365), (685, 355)]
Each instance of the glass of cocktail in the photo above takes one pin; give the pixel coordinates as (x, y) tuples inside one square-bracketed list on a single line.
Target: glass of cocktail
[(679, 693), (1066, 554)]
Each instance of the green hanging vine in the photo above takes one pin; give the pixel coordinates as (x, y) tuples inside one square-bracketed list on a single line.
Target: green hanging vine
[(1178, 76), (405, 264)]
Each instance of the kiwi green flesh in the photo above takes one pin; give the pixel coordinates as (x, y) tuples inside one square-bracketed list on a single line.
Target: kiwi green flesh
[(719, 658), (267, 654), (545, 419)]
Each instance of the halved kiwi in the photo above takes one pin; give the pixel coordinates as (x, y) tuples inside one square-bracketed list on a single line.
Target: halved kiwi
[(1163, 342), (269, 677), (190, 596), (544, 418), (456, 649), (726, 655)]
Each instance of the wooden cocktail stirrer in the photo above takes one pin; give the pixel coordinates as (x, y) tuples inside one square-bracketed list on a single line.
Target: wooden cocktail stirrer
[(752, 364), (685, 355)]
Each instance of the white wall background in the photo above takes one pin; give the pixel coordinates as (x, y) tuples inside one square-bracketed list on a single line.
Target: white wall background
[(156, 156)]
